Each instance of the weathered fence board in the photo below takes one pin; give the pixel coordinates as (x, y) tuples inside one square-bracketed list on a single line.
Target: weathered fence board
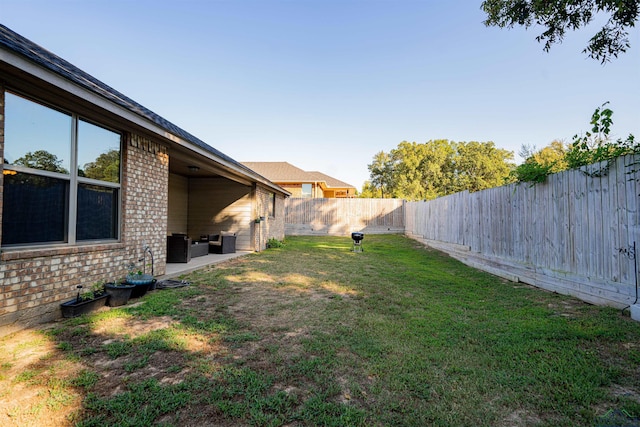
[(568, 234), (304, 216)]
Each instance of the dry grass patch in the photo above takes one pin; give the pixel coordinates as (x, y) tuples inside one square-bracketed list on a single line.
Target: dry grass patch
[(34, 389), (313, 334)]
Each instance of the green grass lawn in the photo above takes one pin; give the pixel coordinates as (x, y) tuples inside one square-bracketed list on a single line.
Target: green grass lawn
[(313, 334)]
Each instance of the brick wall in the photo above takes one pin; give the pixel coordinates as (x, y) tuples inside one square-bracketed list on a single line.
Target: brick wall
[(277, 226), (146, 190), (35, 281), (272, 226)]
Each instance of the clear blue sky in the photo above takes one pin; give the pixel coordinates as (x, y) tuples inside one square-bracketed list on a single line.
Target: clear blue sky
[(326, 84)]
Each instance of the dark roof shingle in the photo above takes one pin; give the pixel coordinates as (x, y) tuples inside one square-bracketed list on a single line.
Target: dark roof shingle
[(285, 172)]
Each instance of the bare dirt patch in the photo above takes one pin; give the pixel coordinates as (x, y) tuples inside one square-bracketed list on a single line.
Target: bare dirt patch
[(30, 366), (277, 315)]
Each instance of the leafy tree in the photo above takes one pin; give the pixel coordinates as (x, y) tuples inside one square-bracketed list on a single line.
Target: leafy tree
[(553, 155), (594, 146), (540, 163), (369, 191), (531, 171), (42, 160), (481, 165), (105, 168), (381, 173), (440, 167), (558, 16), (423, 171)]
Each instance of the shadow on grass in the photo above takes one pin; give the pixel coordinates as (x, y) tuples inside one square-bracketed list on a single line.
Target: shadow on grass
[(313, 334)]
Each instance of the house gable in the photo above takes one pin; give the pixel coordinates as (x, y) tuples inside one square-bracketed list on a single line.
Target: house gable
[(294, 180)]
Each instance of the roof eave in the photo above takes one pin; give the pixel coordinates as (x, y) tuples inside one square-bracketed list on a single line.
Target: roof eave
[(50, 77)]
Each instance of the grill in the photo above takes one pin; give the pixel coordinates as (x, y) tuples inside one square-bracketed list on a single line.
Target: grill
[(357, 242)]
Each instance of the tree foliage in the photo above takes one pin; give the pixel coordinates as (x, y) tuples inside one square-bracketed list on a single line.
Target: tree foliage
[(553, 156), (370, 191), (597, 146), (415, 171), (558, 16), (105, 168), (540, 163), (381, 173), (592, 147), (42, 160)]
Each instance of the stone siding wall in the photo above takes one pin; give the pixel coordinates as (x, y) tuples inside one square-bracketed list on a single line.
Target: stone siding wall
[(34, 281), (146, 192), (277, 224), (272, 226)]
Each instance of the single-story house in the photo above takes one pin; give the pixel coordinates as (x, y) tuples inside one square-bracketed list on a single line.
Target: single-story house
[(301, 183), (90, 178)]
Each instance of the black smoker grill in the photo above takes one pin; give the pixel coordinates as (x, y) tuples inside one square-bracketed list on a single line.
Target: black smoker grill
[(357, 242)]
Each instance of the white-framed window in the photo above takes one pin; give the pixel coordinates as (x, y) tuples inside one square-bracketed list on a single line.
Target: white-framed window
[(61, 176), (307, 190)]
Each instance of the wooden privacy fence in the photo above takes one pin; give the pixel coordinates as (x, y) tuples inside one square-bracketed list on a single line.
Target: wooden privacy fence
[(572, 234), (340, 217)]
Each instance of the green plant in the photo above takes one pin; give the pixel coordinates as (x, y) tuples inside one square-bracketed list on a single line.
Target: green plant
[(65, 346), (85, 379), (131, 267), (274, 243), (137, 363), (120, 282), (94, 291), (595, 147), (531, 171), (116, 349), (132, 271)]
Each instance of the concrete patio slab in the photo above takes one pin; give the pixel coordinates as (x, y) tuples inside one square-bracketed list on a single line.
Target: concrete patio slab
[(178, 269)]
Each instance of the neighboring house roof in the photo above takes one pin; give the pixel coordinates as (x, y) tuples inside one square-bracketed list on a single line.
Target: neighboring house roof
[(44, 58), (331, 182), (278, 171), (283, 172)]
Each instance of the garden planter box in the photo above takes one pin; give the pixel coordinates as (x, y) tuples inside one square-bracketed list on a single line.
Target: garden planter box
[(74, 308), (118, 295)]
